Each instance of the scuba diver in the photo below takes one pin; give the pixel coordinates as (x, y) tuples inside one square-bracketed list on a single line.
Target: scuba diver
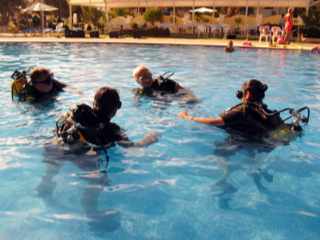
[(252, 127), (84, 124), (157, 88), (79, 135), (41, 85)]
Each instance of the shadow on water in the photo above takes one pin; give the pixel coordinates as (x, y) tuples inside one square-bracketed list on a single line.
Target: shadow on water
[(99, 221), (184, 97)]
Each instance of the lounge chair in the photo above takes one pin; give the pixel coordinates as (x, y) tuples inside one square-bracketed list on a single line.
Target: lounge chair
[(59, 31), (277, 33), (31, 31), (264, 32), (202, 28), (45, 31)]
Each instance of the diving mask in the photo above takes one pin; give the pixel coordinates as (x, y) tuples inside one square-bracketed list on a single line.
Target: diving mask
[(47, 81)]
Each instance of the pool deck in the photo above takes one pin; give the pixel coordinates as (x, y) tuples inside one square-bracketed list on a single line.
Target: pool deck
[(9, 38)]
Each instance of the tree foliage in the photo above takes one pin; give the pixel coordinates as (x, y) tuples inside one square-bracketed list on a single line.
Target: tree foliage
[(152, 15), (56, 3), (8, 7), (93, 16), (312, 19), (116, 12)]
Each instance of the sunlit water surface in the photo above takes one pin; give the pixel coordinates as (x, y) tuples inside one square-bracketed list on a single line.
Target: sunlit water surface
[(168, 190)]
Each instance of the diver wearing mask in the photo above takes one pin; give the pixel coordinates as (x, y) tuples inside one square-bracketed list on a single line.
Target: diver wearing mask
[(163, 84), (41, 85)]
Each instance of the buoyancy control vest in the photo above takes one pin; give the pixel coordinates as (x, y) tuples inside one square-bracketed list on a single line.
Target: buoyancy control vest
[(83, 125), (21, 87), (270, 123)]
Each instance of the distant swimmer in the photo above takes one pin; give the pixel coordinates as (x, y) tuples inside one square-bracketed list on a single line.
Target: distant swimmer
[(229, 48), (42, 84), (315, 49), (160, 86)]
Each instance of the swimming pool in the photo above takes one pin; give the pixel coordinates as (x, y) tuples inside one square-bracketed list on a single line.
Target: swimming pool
[(168, 190)]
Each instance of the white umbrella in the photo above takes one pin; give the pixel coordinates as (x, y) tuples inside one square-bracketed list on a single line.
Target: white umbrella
[(203, 10), (40, 7)]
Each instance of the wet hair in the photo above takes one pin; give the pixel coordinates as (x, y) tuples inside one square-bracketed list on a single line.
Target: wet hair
[(105, 97), (38, 73), (256, 88), (230, 42)]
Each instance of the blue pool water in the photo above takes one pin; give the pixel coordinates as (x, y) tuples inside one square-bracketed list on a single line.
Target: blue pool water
[(170, 190)]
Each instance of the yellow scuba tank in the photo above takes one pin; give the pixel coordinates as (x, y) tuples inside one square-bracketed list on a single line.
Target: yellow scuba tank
[(19, 80)]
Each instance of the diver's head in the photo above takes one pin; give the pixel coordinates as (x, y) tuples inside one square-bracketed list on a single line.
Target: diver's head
[(230, 44), (107, 101), (143, 76), (290, 10), (41, 79), (252, 90)]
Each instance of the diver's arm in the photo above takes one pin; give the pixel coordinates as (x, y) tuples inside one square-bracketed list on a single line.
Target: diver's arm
[(62, 85), (73, 90), (210, 121), (147, 140)]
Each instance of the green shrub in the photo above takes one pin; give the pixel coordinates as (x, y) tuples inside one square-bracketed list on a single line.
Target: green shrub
[(311, 31), (206, 19), (144, 26), (89, 28), (134, 25), (152, 15), (238, 20)]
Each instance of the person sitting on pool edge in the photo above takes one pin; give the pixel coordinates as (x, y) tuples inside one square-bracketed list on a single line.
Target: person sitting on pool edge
[(94, 124), (41, 85), (229, 48)]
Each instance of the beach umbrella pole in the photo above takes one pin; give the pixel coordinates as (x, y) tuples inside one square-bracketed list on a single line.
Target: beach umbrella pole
[(245, 22), (193, 18)]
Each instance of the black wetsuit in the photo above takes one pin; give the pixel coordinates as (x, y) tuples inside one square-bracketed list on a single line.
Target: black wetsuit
[(162, 86), (246, 125), (30, 93), (248, 120), (94, 127)]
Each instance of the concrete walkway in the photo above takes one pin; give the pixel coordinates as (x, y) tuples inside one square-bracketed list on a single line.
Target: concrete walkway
[(9, 38)]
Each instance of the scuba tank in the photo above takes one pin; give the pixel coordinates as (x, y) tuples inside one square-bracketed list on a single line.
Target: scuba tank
[(285, 132), (18, 82), (68, 130)]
